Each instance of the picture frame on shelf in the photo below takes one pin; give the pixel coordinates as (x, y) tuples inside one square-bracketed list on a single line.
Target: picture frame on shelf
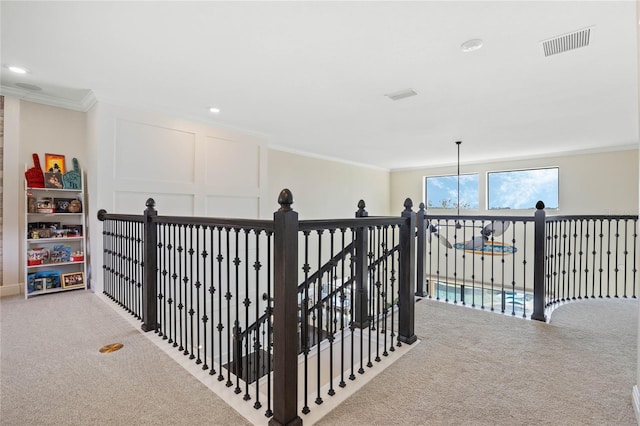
[(67, 205), (44, 205), (53, 180), (54, 163), (73, 279)]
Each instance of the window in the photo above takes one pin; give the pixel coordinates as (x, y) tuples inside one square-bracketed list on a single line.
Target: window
[(442, 192), (522, 189)]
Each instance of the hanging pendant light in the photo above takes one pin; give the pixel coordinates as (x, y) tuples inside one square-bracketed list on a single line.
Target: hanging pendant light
[(458, 225)]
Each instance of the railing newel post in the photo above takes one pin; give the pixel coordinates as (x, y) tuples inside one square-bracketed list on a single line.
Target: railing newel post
[(361, 314), (285, 313), (406, 276), (149, 277), (421, 217), (539, 263)]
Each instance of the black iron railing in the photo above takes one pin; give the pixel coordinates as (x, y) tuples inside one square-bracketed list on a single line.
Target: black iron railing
[(525, 265), (590, 257), (249, 300), (232, 296)]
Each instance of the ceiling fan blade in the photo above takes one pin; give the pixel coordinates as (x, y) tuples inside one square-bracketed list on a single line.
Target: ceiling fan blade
[(475, 242), (496, 228), (443, 240)]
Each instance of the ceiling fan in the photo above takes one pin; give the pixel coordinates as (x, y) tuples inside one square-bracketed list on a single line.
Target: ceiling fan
[(493, 229)]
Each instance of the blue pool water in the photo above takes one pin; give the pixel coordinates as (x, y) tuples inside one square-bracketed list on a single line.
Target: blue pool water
[(501, 301)]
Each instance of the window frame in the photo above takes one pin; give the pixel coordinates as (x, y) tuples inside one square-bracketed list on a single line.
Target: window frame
[(454, 207), (557, 191)]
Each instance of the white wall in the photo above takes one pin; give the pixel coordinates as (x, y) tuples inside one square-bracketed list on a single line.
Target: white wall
[(596, 183), (323, 188), (188, 168), (11, 197)]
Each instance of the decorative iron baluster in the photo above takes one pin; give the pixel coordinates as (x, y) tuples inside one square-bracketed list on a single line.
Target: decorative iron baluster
[(174, 277), (617, 235), (162, 289), (576, 287), (247, 302), (181, 262), (304, 329), (635, 255), (205, 317), (212, 293), (464, 265), (626, 254), (600, 269), (257, 347), (197, 285), (188, 282), (371, 291), (220, 327), (473, 272), (378, 285), (331, 317), (393, 292), (237, 361), (342, 299), (318, 308)]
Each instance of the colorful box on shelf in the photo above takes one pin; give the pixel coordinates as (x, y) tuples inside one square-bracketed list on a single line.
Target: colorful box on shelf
[(76, 256), (37, 256)]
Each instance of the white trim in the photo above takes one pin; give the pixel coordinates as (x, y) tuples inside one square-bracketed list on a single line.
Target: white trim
[(11, 290), (627, 147), (636, 403), (227, 394), (83, 105), (326, 157)]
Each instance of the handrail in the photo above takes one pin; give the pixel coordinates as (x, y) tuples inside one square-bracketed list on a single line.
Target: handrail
[(301, 287), (591, 217), (256, 224), (263, 318)]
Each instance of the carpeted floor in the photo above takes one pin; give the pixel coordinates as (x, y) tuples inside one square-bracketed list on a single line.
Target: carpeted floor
[(470, 368)]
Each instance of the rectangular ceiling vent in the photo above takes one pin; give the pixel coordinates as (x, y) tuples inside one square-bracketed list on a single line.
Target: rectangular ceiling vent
[(566, 42), (401, 94)]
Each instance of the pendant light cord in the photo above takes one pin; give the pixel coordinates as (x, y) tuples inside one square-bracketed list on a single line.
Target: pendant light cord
[(458, 143)]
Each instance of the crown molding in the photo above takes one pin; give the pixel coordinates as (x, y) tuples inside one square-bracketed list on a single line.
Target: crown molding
[(83, 105)]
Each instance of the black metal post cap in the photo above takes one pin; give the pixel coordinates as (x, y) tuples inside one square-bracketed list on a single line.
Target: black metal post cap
[(150, 202), (540, 205), (408, 204), (285, 199), (102, 215)]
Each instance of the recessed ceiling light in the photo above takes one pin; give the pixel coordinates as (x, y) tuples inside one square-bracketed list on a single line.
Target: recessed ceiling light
[(471, 45), (214, 110), (17, 70)]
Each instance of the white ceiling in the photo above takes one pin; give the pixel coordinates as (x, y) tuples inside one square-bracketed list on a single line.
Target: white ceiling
[(311, 76)]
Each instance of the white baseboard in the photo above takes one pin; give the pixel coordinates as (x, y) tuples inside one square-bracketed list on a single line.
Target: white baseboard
[(11, 290), (636, 403)]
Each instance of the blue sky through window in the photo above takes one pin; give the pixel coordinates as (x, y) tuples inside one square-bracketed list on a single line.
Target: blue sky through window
[(442, 191), (522, 189)]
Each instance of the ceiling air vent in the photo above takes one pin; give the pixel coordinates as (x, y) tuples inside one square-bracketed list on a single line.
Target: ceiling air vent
[(566, 42), (401, 94)]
